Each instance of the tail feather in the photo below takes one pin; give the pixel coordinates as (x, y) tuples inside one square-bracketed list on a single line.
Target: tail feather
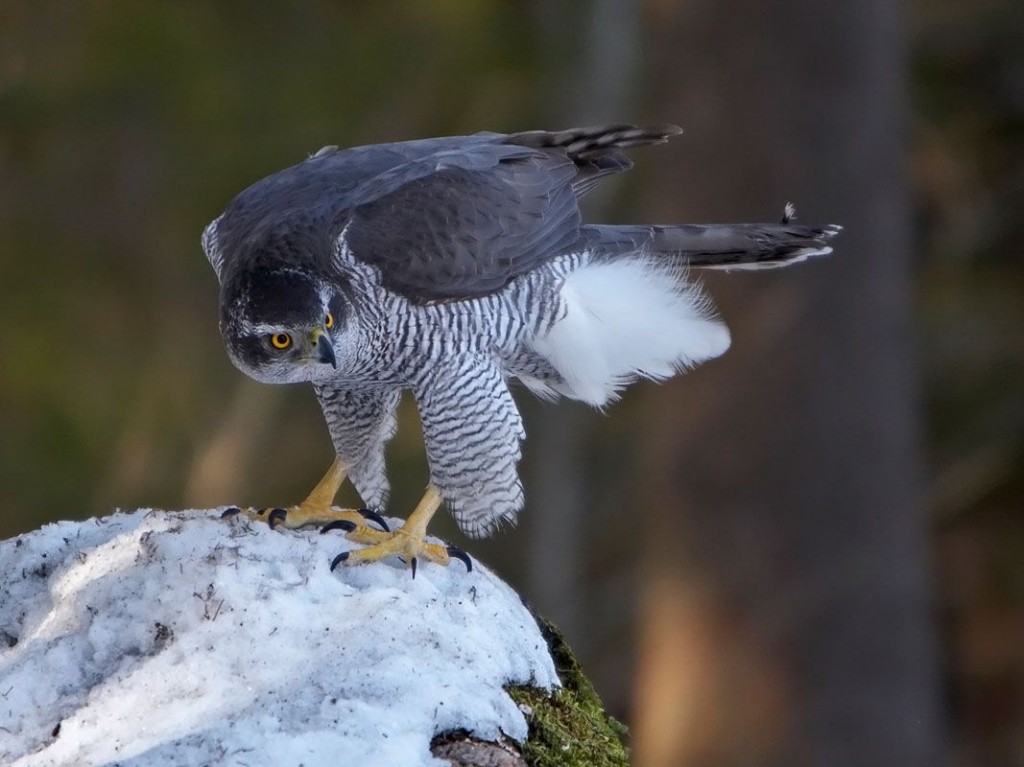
[(718, 246), (596, 151), (582, 143)]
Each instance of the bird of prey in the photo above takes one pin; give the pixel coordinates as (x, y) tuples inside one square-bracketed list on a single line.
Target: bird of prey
[(450, 267)]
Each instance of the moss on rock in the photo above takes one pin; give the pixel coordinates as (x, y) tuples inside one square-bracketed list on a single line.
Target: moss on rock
[(568, 726)]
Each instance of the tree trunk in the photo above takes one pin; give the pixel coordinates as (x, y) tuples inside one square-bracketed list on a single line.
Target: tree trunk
[(594, 77), (786, 618)]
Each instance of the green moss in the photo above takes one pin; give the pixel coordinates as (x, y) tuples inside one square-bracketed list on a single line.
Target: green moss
[(568, 726)]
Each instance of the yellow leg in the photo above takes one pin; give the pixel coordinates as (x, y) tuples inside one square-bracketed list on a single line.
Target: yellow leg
[(317, 509), (409, 541)]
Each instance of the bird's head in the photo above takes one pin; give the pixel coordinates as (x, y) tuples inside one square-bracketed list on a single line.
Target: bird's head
[(280, 325)]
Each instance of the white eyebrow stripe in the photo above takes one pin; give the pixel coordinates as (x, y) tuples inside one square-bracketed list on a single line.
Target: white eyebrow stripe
[(261, 328)]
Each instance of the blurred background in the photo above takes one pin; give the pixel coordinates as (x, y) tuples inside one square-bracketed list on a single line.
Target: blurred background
[(808, 552)]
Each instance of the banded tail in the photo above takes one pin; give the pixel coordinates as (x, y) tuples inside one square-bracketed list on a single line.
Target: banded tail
[(719, 246), (597, 151)]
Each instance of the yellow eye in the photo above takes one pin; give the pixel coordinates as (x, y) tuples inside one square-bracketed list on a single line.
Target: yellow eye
[(329, 321), (280, 341)]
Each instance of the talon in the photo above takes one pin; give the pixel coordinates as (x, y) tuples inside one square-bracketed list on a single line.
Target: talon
[(408, 542), (338, 524), (276, 516), (373, 516), (456, 553), (339, 559), (231, 512)]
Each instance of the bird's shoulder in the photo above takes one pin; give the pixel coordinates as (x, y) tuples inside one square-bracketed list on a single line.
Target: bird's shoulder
[(440, 218), (303, 208)]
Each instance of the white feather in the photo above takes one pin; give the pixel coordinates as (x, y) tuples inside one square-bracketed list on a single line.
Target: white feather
[(211, 247), (796, 257), (627, 319)]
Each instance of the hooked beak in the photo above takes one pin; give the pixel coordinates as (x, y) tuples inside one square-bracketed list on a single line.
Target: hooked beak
[(320, 343)]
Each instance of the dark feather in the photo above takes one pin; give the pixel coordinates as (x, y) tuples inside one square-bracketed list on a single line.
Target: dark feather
[(716, 246), (444, 218)]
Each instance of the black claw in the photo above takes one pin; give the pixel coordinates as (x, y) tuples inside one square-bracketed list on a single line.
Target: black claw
[(412, 562), (230, 512), (373, 516), (457, 553), (338, 524), (339, 559), (276, 516)]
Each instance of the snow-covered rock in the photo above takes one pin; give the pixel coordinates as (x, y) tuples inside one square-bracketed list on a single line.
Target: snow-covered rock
[(178, 638)]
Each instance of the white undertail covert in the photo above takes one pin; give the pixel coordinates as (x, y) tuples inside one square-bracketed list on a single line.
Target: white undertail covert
[(628, 318)]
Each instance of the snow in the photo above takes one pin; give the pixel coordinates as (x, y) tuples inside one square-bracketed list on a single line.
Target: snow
[(178, 638)]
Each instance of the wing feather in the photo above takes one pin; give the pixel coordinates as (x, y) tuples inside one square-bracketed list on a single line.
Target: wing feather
[(462, 232), (440, 219)]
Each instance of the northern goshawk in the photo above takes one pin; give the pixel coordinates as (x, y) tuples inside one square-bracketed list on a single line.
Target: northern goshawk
[(449, 267)]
